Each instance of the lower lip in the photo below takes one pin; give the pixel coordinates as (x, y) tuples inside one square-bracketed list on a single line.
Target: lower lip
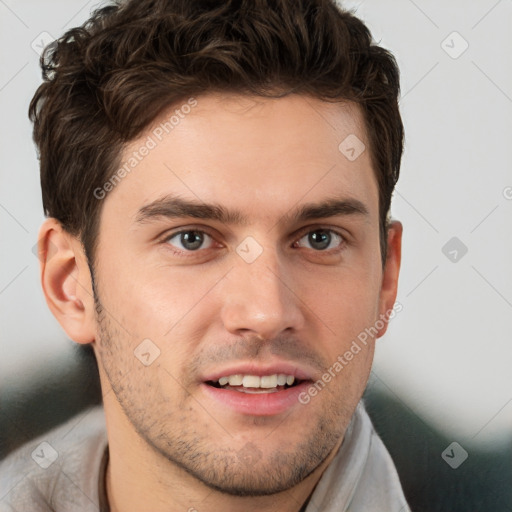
[(258, 404)]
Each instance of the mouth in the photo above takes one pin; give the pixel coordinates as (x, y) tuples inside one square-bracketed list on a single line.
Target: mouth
[(255, 384), (256, 391)]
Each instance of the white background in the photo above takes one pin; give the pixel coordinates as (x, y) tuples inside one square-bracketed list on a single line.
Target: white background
[(448, 354)]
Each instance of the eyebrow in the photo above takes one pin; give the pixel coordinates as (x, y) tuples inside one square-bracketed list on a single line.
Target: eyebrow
[(327, 208), (177, 207)]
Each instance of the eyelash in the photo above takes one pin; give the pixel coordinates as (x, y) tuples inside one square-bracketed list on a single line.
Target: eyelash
[(300, 235)]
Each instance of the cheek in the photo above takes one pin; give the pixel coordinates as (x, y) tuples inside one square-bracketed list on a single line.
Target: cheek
[(345, 301), (345, 308), (158, 302), (155, 297)]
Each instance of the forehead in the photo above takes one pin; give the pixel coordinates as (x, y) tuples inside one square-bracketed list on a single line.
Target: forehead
[(258, 155)]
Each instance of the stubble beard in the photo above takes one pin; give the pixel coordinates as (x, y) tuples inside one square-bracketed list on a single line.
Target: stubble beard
[(175, 437)]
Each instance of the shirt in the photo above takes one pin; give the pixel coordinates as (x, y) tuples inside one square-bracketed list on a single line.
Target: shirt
[(64, 471)]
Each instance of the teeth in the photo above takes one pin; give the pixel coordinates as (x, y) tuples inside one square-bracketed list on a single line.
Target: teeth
[(254, 381), (235, 380), (268, 381), (251, 381)]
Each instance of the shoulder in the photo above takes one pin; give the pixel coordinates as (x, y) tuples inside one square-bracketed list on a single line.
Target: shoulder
[(59, 470)]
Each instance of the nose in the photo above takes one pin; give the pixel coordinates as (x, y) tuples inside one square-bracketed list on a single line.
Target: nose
[(259, 299)]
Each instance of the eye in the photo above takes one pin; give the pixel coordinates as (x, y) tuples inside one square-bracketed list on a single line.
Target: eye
[(322, 239), (190, 240)]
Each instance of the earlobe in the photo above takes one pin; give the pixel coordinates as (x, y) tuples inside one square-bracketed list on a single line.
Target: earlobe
[(66, 281), (390, 274)]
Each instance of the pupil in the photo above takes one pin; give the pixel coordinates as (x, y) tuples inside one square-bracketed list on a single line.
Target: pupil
[(192, 240), (322, 239)]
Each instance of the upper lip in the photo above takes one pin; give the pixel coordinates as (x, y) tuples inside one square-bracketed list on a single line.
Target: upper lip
[(260, 369)]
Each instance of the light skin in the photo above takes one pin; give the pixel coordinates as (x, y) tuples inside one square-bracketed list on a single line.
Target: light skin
[(318, 283)]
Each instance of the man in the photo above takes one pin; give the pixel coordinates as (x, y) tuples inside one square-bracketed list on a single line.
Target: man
[(217, 179)]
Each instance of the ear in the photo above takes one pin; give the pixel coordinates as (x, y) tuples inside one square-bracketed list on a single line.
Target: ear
[(66, 281), (390, 274)]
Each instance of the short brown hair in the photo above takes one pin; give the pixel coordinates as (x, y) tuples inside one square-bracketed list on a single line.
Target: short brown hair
[(106, 81)]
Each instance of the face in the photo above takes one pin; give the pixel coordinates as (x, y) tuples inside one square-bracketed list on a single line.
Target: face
[(237, 263)]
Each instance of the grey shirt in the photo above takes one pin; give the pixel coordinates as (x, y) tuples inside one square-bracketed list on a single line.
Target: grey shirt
[(64, 471)]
